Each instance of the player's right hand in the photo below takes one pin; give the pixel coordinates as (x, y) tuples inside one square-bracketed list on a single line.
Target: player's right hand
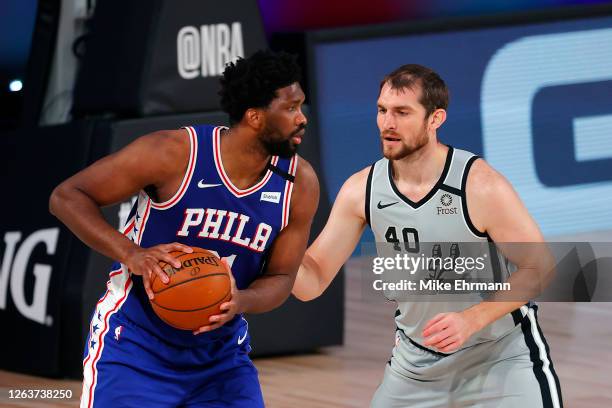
[(145, 262)]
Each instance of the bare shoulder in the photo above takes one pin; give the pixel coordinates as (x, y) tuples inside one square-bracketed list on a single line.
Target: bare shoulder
[(168, 143), (305, 177), (495, 207), (164, 153), (351, 198), (360, 177), (490, 198), (354, 187), (485, 182), (305, 197)]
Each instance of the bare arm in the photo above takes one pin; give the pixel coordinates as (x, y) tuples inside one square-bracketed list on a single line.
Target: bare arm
[(149, 161), (274, 287), (494, 207), (499, 211), (336, 242)]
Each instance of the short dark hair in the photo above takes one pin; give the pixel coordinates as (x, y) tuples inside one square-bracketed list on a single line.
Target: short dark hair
[(252, 82), (434, 91)]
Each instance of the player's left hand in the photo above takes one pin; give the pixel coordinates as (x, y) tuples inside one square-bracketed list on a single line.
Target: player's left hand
[(446, 332), (229, 309)]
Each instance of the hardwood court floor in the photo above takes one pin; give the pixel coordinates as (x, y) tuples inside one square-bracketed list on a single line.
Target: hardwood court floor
[(579, 335)]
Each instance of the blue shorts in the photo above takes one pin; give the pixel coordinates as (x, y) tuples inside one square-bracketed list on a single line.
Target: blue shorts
[(131, 367)]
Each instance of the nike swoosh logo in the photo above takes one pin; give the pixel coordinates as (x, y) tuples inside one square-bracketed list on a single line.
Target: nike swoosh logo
[(201, 184), (243, 338), (380, 206)]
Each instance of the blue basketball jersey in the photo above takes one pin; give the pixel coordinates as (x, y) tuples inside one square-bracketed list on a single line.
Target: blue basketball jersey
[(207, 211)]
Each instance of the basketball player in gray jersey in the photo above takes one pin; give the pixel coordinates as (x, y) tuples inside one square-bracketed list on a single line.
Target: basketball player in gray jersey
[(447, 354)]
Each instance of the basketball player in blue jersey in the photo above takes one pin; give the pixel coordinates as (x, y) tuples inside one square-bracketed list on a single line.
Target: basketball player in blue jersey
[(447, 353), (241, 192)]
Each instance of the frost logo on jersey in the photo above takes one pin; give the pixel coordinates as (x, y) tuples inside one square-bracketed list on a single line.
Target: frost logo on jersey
[(231, 223), (15, 263), (205, 51), (446, 200), (271, 197)]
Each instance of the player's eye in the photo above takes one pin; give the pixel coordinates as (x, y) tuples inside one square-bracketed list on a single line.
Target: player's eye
[(382, 110)]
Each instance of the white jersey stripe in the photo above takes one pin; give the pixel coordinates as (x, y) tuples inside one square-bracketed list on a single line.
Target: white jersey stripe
[(118, 287), (108, 306), (143, 224), (193, 156), (288, 192), (554, 393), (223, 175), (285, 205)]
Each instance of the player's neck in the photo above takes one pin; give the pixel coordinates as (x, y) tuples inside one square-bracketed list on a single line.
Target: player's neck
[(421, 168), (244, 159)]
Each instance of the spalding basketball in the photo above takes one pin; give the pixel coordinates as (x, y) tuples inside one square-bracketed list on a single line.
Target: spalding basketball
[(194, 291)]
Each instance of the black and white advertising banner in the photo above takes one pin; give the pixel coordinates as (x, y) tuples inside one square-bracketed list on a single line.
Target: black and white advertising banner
[(146, 58), (36, 281), (194, 43)]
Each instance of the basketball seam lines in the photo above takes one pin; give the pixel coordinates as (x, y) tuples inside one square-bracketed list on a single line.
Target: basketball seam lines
[(190, 280), (194, 310), (183, 254)]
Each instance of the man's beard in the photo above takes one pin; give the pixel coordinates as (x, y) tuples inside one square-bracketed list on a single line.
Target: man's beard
[(404, 150), (282, 148)]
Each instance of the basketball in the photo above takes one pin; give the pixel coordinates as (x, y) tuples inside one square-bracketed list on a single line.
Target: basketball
[(194, 291)]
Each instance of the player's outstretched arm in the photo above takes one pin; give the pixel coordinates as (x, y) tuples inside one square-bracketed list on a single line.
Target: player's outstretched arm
[(336, 242), (274, 286), (157, 161)]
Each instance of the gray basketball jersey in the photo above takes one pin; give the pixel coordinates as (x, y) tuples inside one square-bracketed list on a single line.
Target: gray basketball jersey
[(438, 224)]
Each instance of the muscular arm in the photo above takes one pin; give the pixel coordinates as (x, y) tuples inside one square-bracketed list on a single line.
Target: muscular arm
[(495, 208), (336, 242), (499, 211), (274, 286), (149, 161)]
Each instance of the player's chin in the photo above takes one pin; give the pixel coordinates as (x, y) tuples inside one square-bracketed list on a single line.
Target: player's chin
[(393, 154), (290, 149)]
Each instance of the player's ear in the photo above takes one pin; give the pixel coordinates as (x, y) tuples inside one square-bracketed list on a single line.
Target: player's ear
[(437, 118), (255, 118)]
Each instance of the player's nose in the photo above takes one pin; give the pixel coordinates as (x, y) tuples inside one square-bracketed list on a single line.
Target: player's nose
[(301, 119), (388, 123)]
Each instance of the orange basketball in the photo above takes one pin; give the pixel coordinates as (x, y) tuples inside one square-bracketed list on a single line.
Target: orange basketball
[(194, 291)]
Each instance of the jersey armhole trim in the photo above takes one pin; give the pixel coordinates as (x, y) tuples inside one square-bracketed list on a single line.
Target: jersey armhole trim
[(368, 192), (216, 146), (193, 155), (466, 215), (451, 190), (288, 191)]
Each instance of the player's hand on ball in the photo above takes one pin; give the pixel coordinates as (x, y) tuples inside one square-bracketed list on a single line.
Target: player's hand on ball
[(446, 332), (229, 309), (145, 262)]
